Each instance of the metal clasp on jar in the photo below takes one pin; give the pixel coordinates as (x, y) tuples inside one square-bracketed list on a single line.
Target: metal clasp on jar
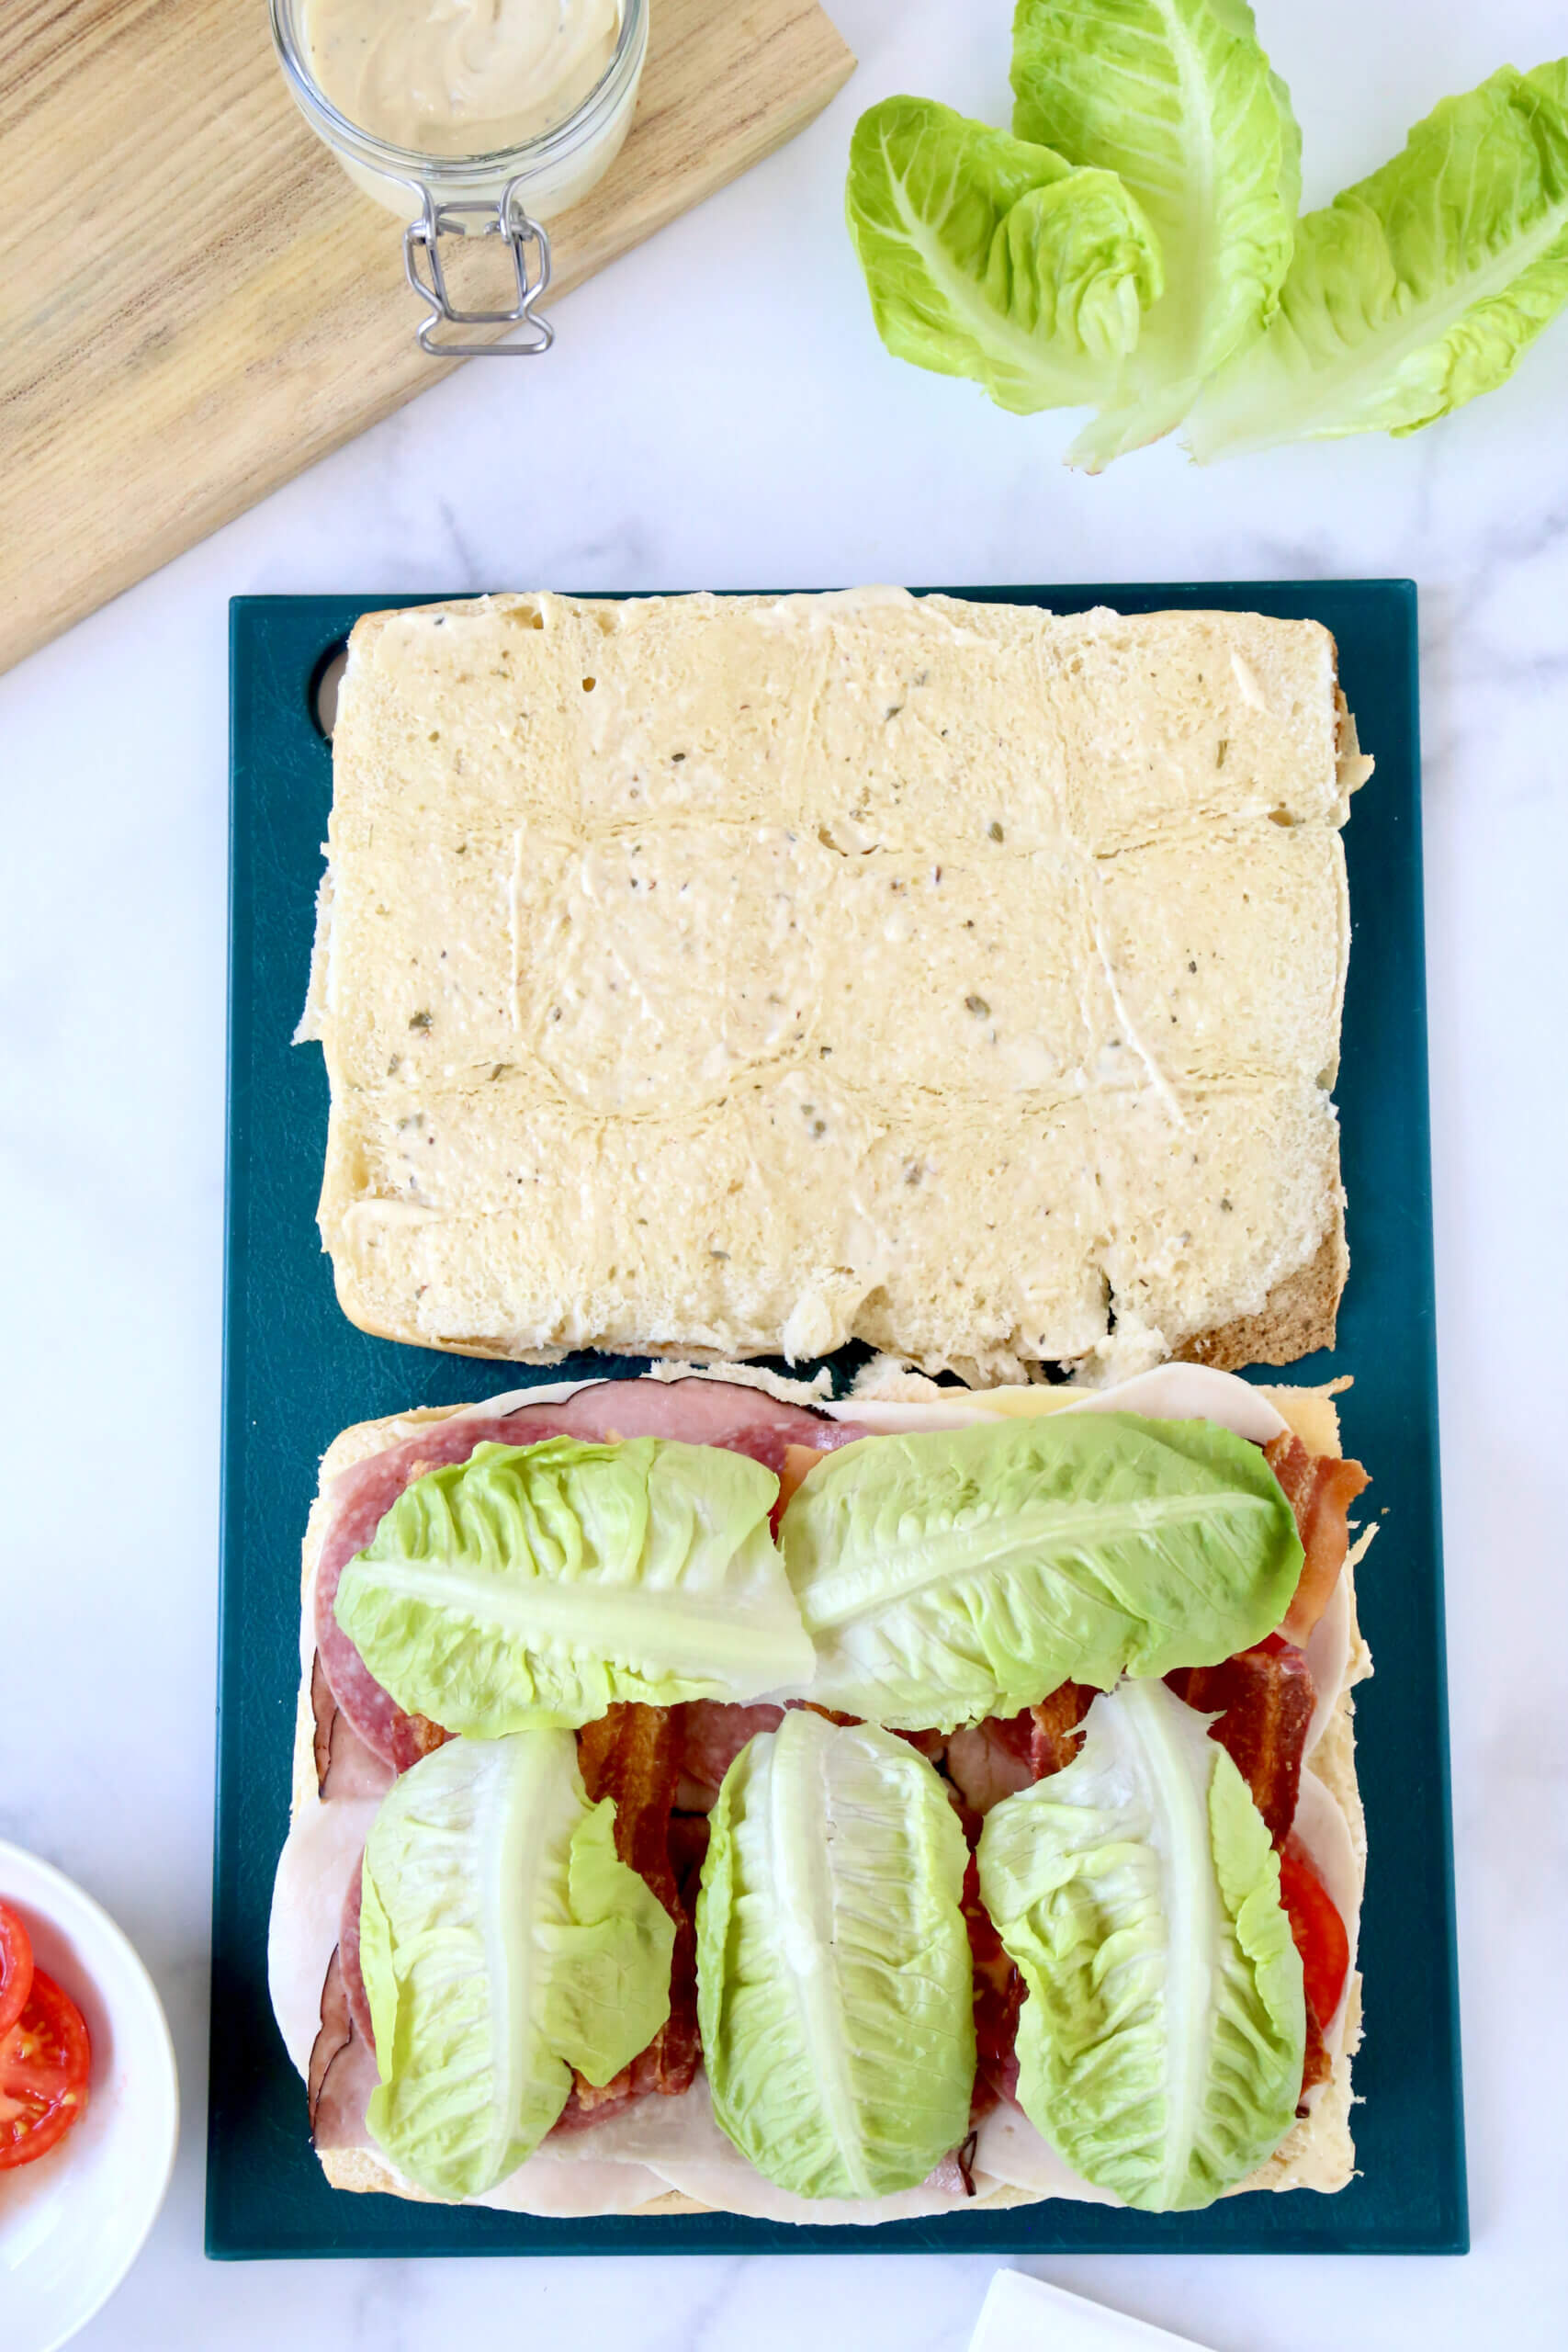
[(530, 246)]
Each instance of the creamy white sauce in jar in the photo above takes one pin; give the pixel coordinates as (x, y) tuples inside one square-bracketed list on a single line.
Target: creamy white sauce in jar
[(457, 77)]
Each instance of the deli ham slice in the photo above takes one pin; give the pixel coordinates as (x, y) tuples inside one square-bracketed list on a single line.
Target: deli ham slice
[(345, 1766), (342, 2072), (985, 1766), (348, 1961), (955, 2177), (336, 2028), (696, 1412)]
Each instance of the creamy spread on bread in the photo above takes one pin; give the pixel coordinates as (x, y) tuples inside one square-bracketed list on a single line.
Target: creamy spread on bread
[(731, 976)]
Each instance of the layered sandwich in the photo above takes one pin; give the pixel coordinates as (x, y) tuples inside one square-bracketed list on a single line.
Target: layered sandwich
[(711, 1795), (714, 977)]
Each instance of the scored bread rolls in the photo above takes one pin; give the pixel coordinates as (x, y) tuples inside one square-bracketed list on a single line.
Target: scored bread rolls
[(713, 976)]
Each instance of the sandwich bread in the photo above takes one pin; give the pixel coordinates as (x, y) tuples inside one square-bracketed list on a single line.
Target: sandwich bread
[(715, 976)]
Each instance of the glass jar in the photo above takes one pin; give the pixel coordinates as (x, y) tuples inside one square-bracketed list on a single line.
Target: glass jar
[(510, 192)]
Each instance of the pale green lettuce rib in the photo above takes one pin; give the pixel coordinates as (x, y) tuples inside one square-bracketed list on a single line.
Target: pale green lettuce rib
[(1420, 287), (1177, 98), (834, 1988), (956, 1574), (1160, 2045), (503, 1943)]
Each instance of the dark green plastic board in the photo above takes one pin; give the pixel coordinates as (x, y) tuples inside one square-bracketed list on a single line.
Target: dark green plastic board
[(295, 1372)]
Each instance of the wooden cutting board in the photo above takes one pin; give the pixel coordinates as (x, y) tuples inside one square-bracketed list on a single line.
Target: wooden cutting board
[(195, 302)]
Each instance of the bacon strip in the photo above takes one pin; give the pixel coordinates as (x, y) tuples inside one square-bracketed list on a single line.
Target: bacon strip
[(999, 1995), (1264, 1700), (713, 1732), (1006, 1753), (1320, 1488), (633, 1755), (1041, 1741), (1056, 1727)]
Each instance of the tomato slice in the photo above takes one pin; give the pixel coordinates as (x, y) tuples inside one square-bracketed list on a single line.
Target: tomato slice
[(16, 1969), (44, 2059), (1318, 1930)]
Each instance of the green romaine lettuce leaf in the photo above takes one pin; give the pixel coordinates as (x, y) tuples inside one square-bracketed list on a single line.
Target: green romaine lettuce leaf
[(1419, 287), (1160, 2045), (503, 1943), (956, 1574), (1176, 97), (537, 1585), (991, 258), (834, 1986)]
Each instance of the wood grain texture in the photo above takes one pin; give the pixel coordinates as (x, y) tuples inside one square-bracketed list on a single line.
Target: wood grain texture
[(196, 303)]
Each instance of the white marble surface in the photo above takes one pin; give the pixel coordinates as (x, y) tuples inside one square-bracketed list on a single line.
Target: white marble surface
[(718, 412)]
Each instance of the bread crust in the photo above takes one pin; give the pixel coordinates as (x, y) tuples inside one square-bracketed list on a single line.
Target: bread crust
[(1317, 2153), (1300, 1315)]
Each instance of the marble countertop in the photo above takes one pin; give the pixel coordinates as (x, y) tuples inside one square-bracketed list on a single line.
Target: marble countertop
[(718, 412)]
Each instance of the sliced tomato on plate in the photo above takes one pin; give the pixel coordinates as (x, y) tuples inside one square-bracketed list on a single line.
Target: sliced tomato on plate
[(16, 1969), (1318, 1928), (44, 2058)]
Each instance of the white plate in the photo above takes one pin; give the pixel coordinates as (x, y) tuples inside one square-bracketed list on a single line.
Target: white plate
[(73, 2224)]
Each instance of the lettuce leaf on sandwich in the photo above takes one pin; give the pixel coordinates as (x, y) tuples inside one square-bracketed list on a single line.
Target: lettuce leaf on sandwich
[(956, 1574), (533, 1586), (503, 1943), (834, 1988), (1160, 2044)]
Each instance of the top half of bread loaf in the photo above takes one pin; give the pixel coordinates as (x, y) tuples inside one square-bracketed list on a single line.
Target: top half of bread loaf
[(763, 761), (618, 862)]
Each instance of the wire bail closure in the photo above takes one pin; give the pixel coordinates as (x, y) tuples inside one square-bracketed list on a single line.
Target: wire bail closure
[(530, 246)]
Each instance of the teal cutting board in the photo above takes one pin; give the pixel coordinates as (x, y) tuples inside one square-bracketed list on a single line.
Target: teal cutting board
[(295, 1372)]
